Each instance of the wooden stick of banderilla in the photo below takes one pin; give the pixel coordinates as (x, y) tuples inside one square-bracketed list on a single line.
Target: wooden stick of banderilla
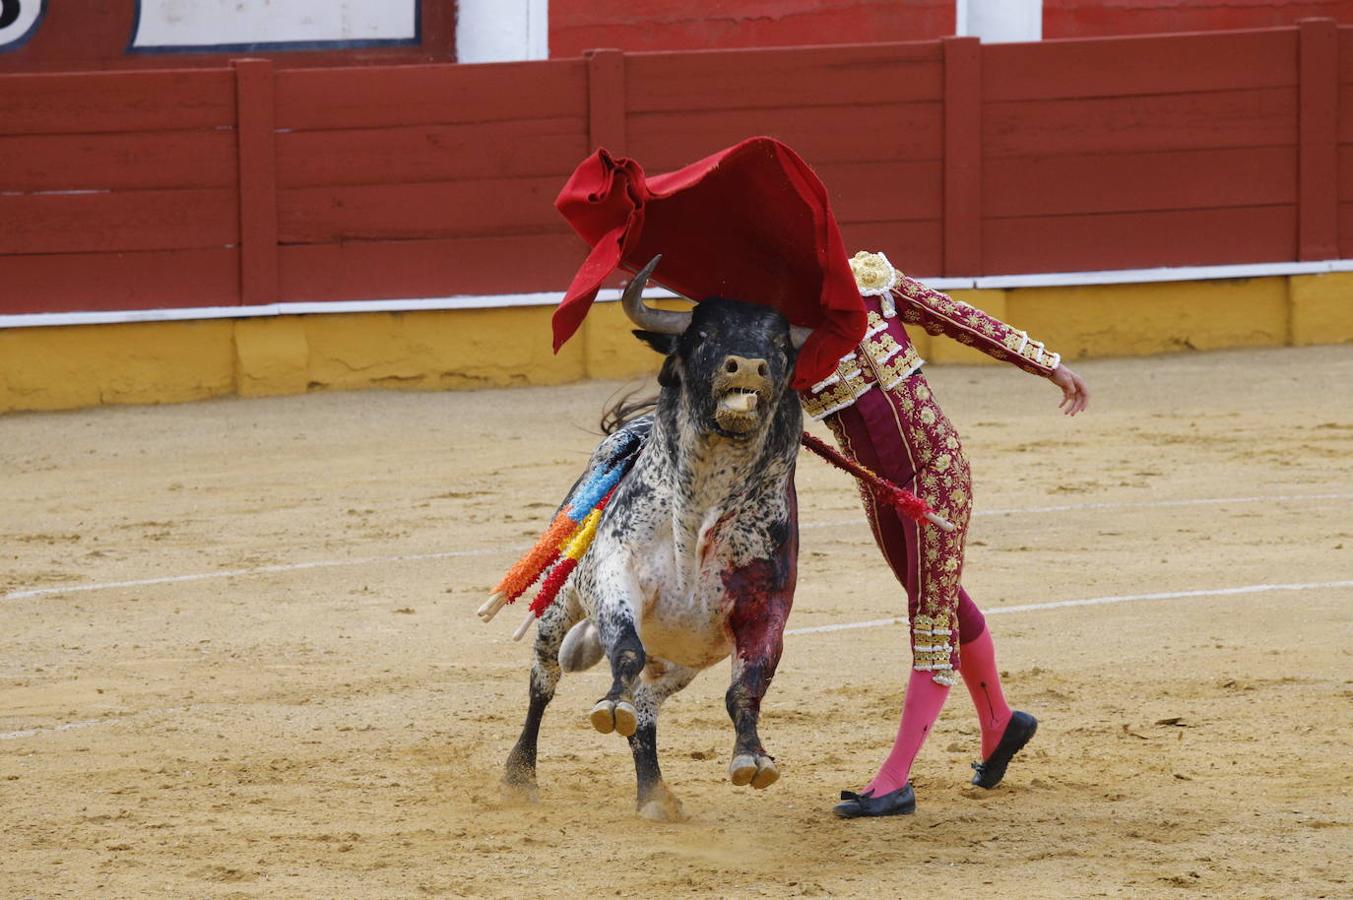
[(901, 499)]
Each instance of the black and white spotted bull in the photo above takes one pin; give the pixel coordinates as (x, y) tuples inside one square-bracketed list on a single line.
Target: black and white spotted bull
[(695, 559)]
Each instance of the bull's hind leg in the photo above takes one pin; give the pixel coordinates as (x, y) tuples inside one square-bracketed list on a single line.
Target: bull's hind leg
[(616, 711), (660, 681), (519, 776)]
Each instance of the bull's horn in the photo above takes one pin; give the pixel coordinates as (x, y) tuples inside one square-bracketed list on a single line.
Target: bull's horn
[(660, 321), (798, 335)]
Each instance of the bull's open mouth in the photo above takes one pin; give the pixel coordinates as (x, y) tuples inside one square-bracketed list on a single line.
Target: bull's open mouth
[(740, 400), (738, 410)]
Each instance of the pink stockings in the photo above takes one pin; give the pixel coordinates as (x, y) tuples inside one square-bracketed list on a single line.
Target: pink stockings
[(977, 663), (925, 698)]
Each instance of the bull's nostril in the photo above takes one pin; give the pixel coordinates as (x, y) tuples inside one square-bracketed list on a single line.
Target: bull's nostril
[(763, 370), (730, 366)]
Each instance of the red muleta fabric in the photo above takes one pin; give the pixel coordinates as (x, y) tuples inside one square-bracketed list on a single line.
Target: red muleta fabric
[(748, 223)]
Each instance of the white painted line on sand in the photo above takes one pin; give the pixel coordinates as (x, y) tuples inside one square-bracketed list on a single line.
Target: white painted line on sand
[(1109, 504), (66, 726), (1095, 601), (30, 593), (849, 626), (258, 570)]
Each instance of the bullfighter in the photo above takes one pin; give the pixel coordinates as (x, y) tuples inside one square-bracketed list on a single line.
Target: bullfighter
[(884, 415)]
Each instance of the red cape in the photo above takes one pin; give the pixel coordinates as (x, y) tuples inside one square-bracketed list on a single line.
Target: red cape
[(749, 223)]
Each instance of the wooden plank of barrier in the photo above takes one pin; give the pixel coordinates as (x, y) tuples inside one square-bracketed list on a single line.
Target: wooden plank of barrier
[(155, 279), (420, 153), (962, 156), (889, 191), (915, 247), (118, 221), (1131, 240), (606, 101), (384, 96), (1346, 230), (92, 102), (1125, 182), (360, 270), (858, 76), (1318, 222), (258, 181), (165, 159), (1191, 120), (408, 211), (1140, 65), (821, 134), (1345, 54)]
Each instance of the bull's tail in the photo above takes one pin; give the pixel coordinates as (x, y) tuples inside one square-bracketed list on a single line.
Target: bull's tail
[(581, 648)]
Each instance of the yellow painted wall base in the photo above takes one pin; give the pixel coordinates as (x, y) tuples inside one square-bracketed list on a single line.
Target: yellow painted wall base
[(167, 362)]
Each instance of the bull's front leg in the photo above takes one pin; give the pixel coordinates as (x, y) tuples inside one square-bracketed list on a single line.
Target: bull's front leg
[(762, 593), (617, 602)]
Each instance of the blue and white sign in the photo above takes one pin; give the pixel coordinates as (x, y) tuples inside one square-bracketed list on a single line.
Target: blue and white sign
[(247, 24)]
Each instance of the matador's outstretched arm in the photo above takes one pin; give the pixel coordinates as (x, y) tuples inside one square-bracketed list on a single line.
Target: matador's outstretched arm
[(939, 313)]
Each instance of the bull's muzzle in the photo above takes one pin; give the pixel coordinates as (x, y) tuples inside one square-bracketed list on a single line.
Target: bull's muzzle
[(741, 389)]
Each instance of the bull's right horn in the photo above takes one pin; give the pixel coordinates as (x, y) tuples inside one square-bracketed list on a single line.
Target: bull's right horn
[(659, 321)]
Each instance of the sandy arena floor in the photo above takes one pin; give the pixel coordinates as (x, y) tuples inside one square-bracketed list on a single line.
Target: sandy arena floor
[(239, 655)]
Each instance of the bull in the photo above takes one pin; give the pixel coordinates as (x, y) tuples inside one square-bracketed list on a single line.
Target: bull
[(695, 559)]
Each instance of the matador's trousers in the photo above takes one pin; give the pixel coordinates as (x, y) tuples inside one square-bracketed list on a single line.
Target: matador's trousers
[(904, 436)]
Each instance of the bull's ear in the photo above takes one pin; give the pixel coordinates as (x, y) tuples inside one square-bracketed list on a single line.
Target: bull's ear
[(670, 374), (663, 343)]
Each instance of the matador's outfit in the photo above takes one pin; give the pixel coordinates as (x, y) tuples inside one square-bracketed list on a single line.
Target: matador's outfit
[(882, 412)]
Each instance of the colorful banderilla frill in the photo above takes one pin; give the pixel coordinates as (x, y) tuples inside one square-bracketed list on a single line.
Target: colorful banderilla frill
[(565, 542), (904, 501)]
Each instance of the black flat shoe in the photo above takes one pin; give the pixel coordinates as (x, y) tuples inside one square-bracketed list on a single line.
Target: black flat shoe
[(990, 771), (901, 802)]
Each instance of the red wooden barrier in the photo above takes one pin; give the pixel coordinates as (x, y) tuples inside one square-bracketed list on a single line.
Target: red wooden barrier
[(249, 185), (118, 191)]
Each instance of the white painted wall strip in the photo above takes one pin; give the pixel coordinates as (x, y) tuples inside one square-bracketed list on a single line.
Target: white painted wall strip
[(30, 593), (502, 30), (1000, 21), (412, 304), (552, 298)]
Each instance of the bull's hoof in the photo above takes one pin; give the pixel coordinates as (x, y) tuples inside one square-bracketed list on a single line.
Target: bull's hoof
[(608, 716), (756, 769), (602, 716), (626, 719), (519, 792), (661, 805)]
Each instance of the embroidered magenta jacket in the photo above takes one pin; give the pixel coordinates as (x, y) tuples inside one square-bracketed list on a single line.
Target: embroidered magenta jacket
[(886, 354)]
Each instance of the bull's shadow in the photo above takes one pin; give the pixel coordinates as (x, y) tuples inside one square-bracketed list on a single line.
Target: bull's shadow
[(695, 558)]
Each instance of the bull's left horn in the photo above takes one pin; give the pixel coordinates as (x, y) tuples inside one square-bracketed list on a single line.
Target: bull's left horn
[(798, 335), (659, 321)]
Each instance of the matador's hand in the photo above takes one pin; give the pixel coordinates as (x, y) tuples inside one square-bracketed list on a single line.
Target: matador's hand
[(1075, 395)]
